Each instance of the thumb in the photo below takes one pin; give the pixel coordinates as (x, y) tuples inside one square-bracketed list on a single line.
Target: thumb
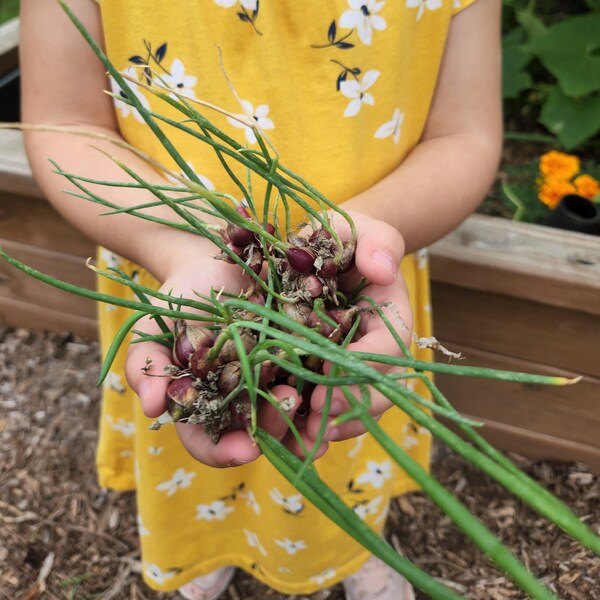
[(379, 250)]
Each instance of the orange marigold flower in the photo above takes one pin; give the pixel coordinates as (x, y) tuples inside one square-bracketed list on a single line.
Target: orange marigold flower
[(552, 190), (558, 165), (587, 186)]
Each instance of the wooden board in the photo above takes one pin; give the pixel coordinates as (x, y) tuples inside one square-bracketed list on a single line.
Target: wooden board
[(533, 444), (33, 221), (537, 332), (15, 173), (9, 45), (549, 266), (16, 285), (569, 412), (17, 313)]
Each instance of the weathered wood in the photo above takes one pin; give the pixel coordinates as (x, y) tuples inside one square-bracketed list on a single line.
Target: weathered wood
[(17, 313), (550, 266), (15, 173), (16, 285), (569, 412), (543, 333), (533, 444), (34, 221), (9, 45)]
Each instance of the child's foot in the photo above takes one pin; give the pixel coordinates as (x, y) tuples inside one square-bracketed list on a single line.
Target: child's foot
[(377, 581), (209, 587)]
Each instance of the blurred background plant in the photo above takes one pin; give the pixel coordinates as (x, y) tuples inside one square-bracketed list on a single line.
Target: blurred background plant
[(551, 70), (551, 95)]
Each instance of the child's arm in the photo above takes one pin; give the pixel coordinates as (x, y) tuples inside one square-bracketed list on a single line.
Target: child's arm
[(441, 181), (62, 85), (449, 172)]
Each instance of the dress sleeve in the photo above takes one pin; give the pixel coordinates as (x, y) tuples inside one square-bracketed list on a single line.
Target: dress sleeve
[(460, 5)]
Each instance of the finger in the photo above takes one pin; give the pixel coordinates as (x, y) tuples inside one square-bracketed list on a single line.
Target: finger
[(301, 450), (144, 371), (234, 448), (379, 250), (377, 406), (270, 418)]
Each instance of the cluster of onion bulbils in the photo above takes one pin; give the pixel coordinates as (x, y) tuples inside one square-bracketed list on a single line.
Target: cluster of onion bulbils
[(207, 384)]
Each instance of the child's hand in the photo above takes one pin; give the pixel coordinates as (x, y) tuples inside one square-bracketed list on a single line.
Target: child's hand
[(380, 249), (235, 447)]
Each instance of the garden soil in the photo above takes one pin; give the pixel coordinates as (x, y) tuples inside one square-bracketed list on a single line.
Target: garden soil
[(61, 536)]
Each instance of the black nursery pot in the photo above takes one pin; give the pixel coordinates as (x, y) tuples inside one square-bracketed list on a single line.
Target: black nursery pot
[(576, 213)]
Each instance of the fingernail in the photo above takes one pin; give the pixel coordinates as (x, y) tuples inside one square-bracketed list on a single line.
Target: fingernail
[(143, 388), (332, 435), (335, 409), (386, 260), (236, 462)]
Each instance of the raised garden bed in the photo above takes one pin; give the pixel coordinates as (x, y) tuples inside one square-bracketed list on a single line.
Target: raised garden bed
[(507, 295)]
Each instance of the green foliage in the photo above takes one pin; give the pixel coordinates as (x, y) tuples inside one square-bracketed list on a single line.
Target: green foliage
[(551, 67), (9, 9)]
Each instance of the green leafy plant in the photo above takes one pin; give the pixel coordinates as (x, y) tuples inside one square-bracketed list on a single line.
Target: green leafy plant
[(551, 67), (288, 342)]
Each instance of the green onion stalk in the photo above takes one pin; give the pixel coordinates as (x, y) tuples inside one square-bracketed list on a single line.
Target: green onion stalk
[(286, 325)]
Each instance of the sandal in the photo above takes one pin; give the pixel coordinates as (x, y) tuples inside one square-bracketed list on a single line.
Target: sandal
[(208, 587), (377, 581)]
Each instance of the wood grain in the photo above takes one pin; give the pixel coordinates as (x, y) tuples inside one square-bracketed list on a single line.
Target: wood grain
[(569, 412), (549, 266), (542, 333)]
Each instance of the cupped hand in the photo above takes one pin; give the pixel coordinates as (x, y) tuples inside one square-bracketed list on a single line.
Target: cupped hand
[(379, 251), (235, 447)]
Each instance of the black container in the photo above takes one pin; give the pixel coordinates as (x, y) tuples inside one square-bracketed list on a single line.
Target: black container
[(576, 213), (10, 95)]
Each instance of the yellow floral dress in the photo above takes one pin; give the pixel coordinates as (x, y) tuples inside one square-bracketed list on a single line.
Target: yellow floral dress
[(342, 88)]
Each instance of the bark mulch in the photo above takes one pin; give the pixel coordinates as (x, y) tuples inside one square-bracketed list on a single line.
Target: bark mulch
[(61, 536)]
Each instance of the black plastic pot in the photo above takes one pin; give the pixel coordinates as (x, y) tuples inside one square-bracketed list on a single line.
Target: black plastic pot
[(576, 213), (10, 96)]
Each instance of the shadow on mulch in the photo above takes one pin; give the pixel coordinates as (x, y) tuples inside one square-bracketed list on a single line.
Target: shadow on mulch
[(58, 527)]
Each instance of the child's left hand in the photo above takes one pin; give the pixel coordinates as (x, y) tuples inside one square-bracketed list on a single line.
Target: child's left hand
[(379, 251)]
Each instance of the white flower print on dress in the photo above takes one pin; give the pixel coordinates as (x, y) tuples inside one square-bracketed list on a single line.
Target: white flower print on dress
[(177, 80), (155, 450), (180, 480), (259, 115), (377, 473), (411, 432), (291, 504), (205, 181), (125, 108), (247, 4), (111, 259), (127, 428), (391, 128), (358, 444), (422, 258), (422, 5), (363, 16), (251, 501), (357, 92), (155, 573), (253, 542), (142, 530), (215, 511), (291, 547), (322, 577), (113, 382), (364, 509)]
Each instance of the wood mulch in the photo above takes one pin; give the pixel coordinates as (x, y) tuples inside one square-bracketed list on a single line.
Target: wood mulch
[(61, 536)]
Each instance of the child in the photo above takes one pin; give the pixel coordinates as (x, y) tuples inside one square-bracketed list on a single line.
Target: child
[(391, 109)]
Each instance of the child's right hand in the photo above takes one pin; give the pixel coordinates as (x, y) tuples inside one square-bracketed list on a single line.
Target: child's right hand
[(199, 274)]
